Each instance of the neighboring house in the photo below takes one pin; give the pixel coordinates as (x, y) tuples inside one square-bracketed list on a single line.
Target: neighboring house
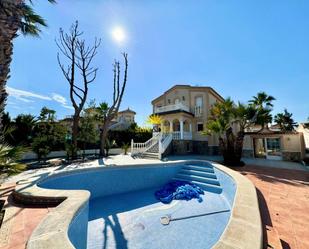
[(271, 143), (304, 128), (184, 111), (122, 121)]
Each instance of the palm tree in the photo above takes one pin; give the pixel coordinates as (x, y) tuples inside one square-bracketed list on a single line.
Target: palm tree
[(9, 157), (15, 15), (225, 117), (285, 121), (262, 102)]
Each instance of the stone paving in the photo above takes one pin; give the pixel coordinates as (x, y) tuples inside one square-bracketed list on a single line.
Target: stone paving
[(283, 197), (284, 205)]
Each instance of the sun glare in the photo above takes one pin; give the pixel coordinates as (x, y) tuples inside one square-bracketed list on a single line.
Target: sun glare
[(118, 34)]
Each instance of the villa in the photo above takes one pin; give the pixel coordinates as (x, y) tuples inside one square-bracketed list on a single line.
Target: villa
[(184, 111)]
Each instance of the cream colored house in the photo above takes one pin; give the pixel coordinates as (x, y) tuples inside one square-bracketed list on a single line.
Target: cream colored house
[(184, 111), (121, 122), (273, 144)]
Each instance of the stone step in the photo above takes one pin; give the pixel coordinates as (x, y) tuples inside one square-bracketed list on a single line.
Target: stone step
[(198, 179), (150, 155), (198, 173), (199, 168), (205, 186)]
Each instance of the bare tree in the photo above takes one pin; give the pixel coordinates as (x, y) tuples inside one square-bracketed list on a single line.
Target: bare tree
[(80, 57), (108, 113)]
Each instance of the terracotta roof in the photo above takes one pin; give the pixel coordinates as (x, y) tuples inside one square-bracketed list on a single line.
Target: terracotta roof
[(128, 110)]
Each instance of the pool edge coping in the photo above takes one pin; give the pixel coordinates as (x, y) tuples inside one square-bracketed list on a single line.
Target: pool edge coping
[(244, 229)]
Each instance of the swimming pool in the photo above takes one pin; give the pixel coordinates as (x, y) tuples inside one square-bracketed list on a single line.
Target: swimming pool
[(114, 207), (124, 213)]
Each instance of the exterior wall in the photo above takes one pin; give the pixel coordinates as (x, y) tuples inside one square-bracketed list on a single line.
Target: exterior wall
[(301, 128), (187, 95), (127, 116), (292, 145), (185, 147)]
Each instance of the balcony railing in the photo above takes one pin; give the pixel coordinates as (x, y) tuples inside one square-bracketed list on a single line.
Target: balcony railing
[(198, 111), (167, 108)]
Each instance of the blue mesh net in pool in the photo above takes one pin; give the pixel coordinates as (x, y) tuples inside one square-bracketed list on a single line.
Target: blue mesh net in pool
[(179, 190)]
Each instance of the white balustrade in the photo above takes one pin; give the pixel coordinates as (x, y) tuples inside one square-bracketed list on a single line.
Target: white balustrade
[(167, 108), (198, 111)]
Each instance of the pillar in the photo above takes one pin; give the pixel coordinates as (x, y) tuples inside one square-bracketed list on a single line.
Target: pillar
[(181, 129)]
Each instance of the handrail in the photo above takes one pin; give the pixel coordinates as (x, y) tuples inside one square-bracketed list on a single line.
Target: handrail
[(164, 143), (142, 147)]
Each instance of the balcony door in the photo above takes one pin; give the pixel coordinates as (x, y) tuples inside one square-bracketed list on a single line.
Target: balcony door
[(198, 106)]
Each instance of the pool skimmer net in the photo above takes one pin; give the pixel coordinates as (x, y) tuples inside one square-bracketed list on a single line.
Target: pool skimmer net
[(166, 219)]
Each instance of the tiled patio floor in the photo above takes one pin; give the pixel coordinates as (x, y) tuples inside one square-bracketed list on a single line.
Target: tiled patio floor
[(284, 204), (18, 229), (283, 197)]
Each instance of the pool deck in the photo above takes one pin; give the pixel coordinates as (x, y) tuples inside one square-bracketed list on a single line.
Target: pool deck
[(283, 198)]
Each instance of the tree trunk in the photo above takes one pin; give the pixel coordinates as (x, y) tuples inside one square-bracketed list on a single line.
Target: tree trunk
[(74, 135), (103, 136), (10, 16)]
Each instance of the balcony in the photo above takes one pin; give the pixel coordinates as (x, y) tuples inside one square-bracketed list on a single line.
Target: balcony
[(198, 111), (169, 108)]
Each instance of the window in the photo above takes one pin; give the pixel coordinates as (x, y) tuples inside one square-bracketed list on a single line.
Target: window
[(273, 146), (199, 101), (176, 100), (183, 98), (200, 127), (168, 101)]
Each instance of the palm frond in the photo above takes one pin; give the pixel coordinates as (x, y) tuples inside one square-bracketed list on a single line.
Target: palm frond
[(31, 22)]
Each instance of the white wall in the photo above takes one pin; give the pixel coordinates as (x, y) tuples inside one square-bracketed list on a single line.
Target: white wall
[(54, 154)]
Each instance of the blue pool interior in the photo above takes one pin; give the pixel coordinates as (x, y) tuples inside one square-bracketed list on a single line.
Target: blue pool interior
[(124, 213)]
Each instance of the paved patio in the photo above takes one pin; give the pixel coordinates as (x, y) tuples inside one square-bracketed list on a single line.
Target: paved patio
[(284, 203), (283, 197)]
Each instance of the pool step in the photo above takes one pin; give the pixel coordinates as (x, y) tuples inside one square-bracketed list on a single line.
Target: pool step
[(199, 168), (198, 173), (205, 186), (198, 179), (200, 165)]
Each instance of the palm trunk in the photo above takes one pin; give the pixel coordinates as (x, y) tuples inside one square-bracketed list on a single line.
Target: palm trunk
[(239, 145), (10, 17)]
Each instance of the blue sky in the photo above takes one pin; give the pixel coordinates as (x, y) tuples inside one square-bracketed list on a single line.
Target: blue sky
[(236, 47)]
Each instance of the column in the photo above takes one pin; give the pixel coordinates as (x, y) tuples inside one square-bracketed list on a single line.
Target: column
[(190, 129), (171, 126), (181, 129)]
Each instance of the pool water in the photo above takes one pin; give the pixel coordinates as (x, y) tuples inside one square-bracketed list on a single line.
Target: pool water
[(123, 212), (132, 220)]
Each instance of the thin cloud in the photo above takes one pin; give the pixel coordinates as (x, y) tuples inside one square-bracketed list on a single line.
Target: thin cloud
[(29, 97), (25, 96), (60, 99)]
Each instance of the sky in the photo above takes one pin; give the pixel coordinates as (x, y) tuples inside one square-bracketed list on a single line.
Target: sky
[(238, 48)]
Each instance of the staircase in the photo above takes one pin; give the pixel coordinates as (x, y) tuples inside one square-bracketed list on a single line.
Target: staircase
[(201, 175), (153, 148), (152, 152)]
